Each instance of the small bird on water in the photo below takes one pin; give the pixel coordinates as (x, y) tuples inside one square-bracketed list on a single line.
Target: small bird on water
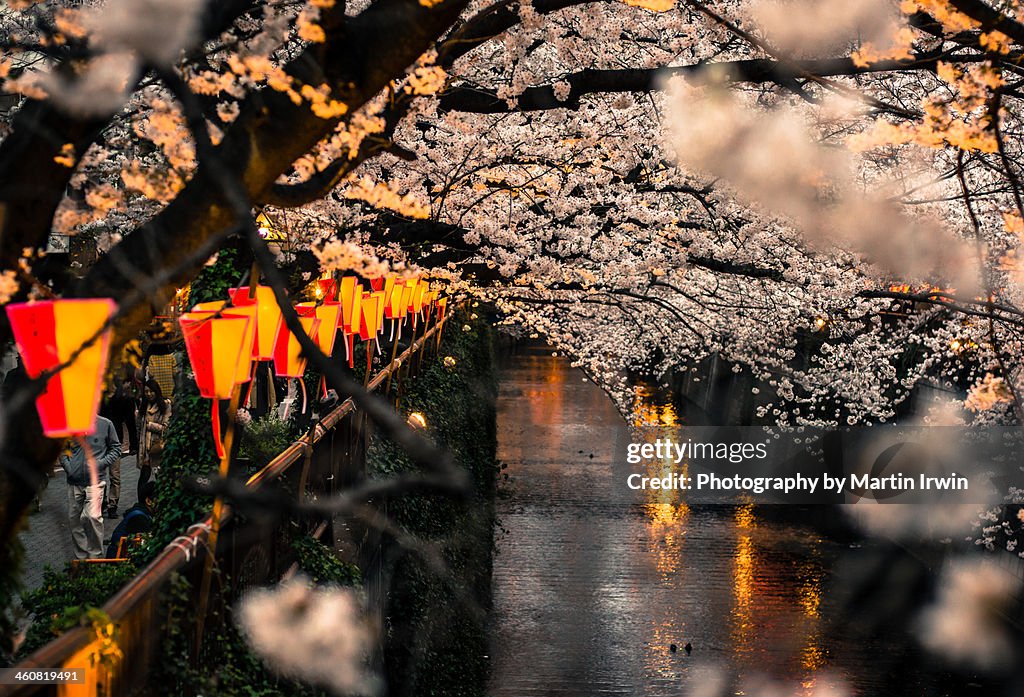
[(688, 648), (672, 648)]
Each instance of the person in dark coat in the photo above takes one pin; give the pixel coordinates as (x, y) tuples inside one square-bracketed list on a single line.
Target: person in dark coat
[(137, 519)]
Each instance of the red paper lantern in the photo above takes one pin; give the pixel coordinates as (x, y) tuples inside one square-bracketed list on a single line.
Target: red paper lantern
[(289, 362), (48, 333), (268, 318), (217, 348)]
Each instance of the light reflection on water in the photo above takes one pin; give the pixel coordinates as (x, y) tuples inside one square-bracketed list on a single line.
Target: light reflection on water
[(593, 582)]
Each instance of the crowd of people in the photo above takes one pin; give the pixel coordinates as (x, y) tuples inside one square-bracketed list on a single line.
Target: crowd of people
[(134, 411)]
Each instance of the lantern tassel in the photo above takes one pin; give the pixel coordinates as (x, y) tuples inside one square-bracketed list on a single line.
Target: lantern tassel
[(248, 392), (215, 425), (350, 349), (323, 386), (393, 323), (96, 501), (302, 386), (369, 359), (348, 357)]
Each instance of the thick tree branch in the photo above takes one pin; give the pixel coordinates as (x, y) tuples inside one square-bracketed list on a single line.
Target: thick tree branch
[(39, 131), (757, 71), (990, 18)]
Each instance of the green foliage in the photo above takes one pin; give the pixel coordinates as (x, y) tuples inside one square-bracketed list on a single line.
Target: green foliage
[(438, 637), (188, 451), (264, 438), (65, 598), (215, 280), (321, 564)]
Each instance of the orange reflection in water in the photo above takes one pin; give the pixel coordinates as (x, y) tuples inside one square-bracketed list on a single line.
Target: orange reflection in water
[(812, 656), (744, 572), (652, 409), (546, 403), (759, 584), (752, 585), (654, 416), (666, 540)]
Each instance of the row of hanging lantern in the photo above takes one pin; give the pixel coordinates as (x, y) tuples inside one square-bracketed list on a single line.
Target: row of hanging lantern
[(224, 340)]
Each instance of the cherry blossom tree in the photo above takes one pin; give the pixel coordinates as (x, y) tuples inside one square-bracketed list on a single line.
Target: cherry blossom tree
[(827, 193)]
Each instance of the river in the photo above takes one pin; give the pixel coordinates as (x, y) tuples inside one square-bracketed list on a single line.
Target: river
[(593, 582)]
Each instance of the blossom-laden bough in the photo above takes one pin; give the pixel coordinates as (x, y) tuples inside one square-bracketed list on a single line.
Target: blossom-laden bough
[(828, 193)]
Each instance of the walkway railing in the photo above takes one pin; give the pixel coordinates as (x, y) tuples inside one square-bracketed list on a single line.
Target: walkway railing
[(253, 552)]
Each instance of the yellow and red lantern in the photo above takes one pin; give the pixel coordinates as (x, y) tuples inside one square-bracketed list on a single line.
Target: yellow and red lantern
[(221, 308), (48, 333), (419, 297), (371, 322), (219, 349), (393, 308), (350, 295), (289, 361), (428, 303), (328, 289), (372, 315), (268, 318), (329, 315)]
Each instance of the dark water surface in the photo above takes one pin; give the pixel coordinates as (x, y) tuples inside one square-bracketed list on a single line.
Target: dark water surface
[(593, 582)]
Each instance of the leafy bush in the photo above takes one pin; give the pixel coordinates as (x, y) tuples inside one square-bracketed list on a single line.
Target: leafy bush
[(321, 564), (65, 597), (264, 438)]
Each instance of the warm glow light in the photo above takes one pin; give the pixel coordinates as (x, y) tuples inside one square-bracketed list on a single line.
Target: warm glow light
[(219, 350), (417, 420), (48, 333), (268, 317), (449, 362)]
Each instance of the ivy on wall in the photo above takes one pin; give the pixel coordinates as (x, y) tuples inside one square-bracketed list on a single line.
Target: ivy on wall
[(437, 639)]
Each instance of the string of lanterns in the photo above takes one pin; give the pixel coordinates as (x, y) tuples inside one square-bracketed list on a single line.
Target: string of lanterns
[(225, 341), (346, 306)]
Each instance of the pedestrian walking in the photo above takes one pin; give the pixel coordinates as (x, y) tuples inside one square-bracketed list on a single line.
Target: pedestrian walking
[(155, 418), (85, 510), (121, 407)]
